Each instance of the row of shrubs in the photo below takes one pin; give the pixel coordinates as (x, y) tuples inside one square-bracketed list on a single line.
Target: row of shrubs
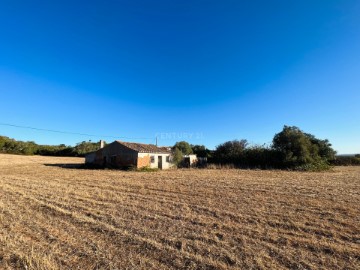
[(267, 158), (346, 161), (11, 146), (290, 149)]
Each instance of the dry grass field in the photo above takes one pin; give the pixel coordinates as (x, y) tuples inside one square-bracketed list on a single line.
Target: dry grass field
[(52, 217)]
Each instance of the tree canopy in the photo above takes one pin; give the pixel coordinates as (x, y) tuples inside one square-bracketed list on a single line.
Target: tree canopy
[(201, 150), (184, 147), (299, 149), (11, 146), (230, 151), (291, 149)]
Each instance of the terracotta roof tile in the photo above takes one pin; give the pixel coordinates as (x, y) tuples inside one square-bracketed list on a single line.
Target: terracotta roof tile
[(145, 148)]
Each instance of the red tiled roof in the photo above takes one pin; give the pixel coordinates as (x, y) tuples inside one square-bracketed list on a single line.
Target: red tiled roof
[(145, 148)]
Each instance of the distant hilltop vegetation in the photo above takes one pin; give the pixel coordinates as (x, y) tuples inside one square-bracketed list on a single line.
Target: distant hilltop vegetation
[(347, 160), (12, 146)]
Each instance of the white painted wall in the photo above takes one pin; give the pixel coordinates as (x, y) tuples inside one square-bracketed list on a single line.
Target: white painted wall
[(165, 164), (193, 159)]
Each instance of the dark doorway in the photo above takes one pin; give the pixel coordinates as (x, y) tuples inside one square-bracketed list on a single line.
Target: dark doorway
[(104, 161), (186, 162), (160, 162)]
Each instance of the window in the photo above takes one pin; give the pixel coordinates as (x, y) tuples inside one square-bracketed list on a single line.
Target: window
[(167, 158), (152, 159)]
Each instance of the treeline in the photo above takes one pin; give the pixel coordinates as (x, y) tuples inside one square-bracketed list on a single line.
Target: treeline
[(290, 149), (11, 146), (347, 160)]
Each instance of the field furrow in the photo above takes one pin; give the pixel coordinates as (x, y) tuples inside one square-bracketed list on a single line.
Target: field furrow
[(53, 217)]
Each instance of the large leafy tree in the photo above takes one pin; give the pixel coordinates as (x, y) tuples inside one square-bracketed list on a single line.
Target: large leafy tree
[(230, 151), (324, 148), (299, 149), (200, 150), (177, 157), (184, 147)]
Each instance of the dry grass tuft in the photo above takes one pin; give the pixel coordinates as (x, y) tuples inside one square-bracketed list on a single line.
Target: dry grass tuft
[(58, 217)]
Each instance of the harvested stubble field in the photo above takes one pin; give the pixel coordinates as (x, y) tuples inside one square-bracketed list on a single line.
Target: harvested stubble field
[(52, 217)]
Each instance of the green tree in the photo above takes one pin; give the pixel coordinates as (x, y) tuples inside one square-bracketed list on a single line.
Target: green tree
[(325, 150), (230, 151), (184, 147), (29, 148), (200, 150), (302, 150), (85, 147), (295, 147), (177, 157), (3, 140)]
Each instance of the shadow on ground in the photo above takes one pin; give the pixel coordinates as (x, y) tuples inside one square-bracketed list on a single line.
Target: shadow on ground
[(68, 165), (87, 167)]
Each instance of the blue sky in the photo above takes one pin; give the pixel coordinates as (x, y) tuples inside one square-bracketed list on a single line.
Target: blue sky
[(201, 71)]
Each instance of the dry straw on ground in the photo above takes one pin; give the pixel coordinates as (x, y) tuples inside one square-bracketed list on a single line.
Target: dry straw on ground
[(52, 217)]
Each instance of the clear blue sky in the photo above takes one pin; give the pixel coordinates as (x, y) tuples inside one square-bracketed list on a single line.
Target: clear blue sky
[(201, 71)]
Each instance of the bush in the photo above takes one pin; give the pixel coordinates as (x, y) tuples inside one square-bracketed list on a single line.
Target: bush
[(346, 161), (302, 151), (291, 149), (230, 152), (184, 147), (177, 157), (11, 146), (201, 151), (319, 165), (145, 169), (295, 147), (261, 157)]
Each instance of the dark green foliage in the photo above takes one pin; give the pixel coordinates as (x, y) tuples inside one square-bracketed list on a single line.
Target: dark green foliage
[(291, 149), (261, 157), (180, 149), (55, 150), (346, 161), (201, 151), (238, 154), (324, 149), (184, 147), (230, 152), (177, 157), (295, 147), (143, 169), (11, 146), (86, 147), (302, 151)]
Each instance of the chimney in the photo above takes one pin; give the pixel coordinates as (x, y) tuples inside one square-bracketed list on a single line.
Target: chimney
[(102, 143)]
